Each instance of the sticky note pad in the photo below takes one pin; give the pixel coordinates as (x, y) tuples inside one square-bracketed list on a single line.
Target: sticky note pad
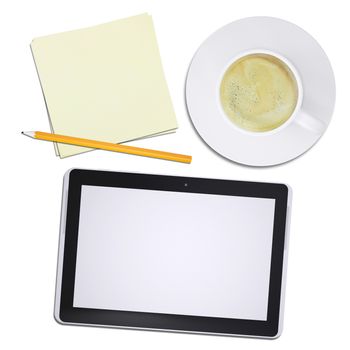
[(104, 83)]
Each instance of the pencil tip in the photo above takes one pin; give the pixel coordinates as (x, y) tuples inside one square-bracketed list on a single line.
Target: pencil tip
[(28, 133)]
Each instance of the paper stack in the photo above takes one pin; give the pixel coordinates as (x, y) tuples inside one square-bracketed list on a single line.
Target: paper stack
[(104, 83)]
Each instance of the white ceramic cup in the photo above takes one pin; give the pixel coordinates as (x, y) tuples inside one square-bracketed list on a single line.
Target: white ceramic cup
[(298, 116)]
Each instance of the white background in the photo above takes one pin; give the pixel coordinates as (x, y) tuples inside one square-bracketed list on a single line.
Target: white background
[(318, 283)]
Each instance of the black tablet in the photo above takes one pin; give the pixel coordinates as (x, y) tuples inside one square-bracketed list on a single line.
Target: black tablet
[(172, 253)]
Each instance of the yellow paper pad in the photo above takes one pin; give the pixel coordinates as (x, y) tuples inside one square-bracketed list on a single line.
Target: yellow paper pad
[(104, 83)]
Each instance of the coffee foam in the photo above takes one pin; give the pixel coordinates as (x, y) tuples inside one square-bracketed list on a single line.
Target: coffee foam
[(258, 92)]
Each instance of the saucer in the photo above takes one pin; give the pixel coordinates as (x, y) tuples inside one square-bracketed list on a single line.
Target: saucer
[(266, 34)]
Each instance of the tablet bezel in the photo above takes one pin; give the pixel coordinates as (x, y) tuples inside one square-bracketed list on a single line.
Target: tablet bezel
[(67, 314)]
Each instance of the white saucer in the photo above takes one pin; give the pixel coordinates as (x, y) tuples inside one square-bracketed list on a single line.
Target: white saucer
[(219, 51)]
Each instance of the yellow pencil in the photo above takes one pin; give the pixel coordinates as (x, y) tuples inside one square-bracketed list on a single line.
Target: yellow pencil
[(77, 141)]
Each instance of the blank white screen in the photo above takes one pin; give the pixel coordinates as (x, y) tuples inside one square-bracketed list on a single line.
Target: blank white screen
[(174, 252)]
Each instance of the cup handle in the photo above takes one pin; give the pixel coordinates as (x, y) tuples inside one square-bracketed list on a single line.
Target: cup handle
[(306, 121)]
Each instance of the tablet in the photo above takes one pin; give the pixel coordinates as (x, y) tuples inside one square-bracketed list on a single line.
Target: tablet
[(172, 253)]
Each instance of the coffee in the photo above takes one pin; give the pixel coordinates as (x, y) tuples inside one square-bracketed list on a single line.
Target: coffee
[(258, 92)]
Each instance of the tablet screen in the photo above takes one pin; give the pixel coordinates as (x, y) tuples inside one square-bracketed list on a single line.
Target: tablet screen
[(174, 252)]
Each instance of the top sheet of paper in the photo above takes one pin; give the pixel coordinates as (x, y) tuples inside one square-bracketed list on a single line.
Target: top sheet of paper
[(104, 82)]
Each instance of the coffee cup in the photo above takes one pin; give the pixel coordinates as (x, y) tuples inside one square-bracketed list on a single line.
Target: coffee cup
[(260, 92)]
